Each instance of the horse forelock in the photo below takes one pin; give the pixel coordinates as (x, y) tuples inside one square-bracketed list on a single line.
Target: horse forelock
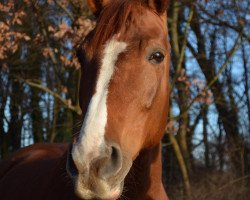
[(114, 19)]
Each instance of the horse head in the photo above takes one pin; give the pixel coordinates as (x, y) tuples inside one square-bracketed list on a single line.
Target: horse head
[(123, 93)]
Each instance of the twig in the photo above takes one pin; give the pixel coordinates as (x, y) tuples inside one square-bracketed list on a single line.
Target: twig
[(54, 94), (221, 22), (65, 10), (181, 54), (224, 65), (228, 184), (234, 181), (221, 69)]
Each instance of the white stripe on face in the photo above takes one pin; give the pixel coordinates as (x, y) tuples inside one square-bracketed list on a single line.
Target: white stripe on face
[(91, 138)]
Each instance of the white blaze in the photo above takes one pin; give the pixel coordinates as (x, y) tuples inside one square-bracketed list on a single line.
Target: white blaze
[(91, 138)]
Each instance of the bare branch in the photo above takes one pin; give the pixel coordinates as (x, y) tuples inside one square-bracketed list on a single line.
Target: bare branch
[(45, 89)]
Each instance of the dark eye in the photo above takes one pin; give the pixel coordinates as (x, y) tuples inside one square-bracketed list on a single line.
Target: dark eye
[(156, 57)]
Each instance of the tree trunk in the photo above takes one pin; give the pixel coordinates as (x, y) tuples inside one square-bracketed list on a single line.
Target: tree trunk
[(227, 114), (182, 166), (16, 121), (53, 130), (205, 136), (36, 115)]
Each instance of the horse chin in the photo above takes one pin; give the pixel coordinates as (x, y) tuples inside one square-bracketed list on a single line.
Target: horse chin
[(101, 190), (92, 187)]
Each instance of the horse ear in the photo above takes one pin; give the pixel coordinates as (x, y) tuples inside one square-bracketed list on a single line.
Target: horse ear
[(96, 6), (158, 5)]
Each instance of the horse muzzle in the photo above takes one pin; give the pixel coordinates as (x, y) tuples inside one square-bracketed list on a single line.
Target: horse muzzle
[(99, 173)]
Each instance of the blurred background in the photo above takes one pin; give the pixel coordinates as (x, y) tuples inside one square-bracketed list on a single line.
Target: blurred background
[(206, 148)]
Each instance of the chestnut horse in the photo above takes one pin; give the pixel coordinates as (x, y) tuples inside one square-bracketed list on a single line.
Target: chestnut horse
[(124, 99)]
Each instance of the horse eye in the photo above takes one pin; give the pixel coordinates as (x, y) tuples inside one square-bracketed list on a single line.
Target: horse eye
[(156, 57)]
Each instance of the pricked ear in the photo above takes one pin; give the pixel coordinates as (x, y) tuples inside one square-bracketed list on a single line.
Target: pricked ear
[(158, 5), (96, 6)]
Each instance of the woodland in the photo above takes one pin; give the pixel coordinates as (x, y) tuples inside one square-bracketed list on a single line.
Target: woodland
[(206, 148)]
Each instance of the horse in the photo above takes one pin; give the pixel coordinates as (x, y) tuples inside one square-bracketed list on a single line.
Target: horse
[(124, 100)]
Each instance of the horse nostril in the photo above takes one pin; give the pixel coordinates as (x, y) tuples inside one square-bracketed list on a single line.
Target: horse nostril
[(115, 155), (109, 166)]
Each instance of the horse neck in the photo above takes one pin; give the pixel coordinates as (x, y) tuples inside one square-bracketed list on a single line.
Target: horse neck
[(144, 180)]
